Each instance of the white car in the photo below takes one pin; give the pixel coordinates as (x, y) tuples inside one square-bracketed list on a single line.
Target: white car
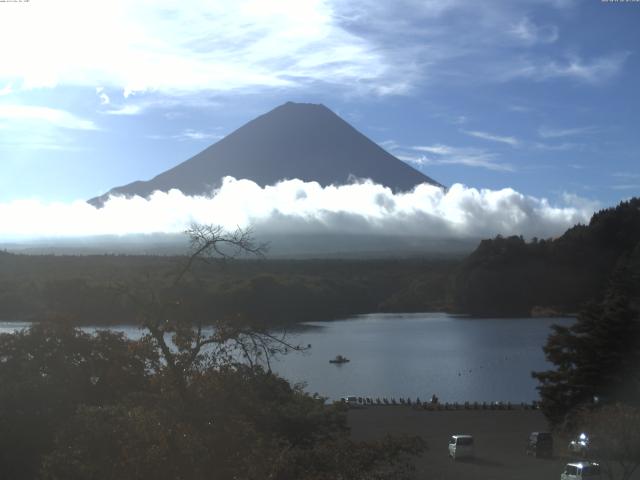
[(461, 446), (351, 401), (581, 470)]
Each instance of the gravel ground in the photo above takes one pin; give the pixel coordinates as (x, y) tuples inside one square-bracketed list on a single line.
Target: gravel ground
[(500, 439)]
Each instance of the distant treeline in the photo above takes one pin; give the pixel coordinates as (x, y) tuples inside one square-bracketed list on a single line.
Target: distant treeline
[(509, 276), (102, 289)]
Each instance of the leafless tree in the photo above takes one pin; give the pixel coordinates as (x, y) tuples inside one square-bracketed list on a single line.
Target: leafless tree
[(179, 319)]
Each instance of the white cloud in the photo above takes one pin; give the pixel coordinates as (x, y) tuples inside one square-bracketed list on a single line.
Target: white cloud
[(199, 135), (531, 33), (519, 108), (477, 161), (29, 127), (125, 110), (493, 138), (438, 149), (548, 132), (627, 175), (596, 71), (298, 207), (580, 203), (188, 134), (52, 116), (389, 145), (205, 45), (104, 98), (631, 181), (560, 147), (365, 46), (448, 155), (627, 186), (6, 90)]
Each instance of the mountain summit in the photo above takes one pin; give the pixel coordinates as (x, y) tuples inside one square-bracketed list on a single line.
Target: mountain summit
[(294, 140)]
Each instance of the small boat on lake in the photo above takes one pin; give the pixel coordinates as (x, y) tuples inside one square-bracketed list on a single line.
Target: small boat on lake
[(339, 359)]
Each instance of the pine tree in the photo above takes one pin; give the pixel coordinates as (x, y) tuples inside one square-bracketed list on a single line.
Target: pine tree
[(598, 356)]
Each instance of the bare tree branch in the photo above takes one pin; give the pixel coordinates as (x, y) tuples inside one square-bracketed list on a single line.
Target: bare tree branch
[(165, 311)]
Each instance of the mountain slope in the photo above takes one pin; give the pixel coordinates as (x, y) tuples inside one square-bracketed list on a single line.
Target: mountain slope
[(508, 276), (295, 140)]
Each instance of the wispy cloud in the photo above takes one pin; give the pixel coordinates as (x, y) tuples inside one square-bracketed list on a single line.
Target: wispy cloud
[(188, 134), (627, 186), (447, 155), (593, 71), (199, 135), (14, 136), (30, 127), (560, 147), (206, 46), (440, 149), (40, 141), (363, 45), (147, 101), (627, 175), (125, 110), (530, 33), (389, 145), (519, 108), (37, 114), (548, 132), (514, 142)]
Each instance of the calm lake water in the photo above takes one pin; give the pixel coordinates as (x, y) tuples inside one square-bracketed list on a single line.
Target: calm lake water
[(415, 355)]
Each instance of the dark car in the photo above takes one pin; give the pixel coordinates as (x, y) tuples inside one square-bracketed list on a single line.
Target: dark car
[(540, 444)]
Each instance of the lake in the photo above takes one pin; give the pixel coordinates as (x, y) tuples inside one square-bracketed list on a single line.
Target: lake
[(415, 355)]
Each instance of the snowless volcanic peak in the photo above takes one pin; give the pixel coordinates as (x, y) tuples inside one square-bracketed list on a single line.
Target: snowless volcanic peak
[(295, 140)]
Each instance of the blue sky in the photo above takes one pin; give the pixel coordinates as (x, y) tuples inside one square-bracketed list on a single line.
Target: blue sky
[(537, 95)]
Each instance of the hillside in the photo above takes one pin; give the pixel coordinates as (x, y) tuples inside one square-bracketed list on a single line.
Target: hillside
[(509, 276)]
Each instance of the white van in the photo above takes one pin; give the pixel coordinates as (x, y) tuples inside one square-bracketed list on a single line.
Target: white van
[(461, 446), (580, 470)]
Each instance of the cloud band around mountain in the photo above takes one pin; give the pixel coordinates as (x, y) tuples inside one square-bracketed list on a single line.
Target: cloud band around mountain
[(298, 207)]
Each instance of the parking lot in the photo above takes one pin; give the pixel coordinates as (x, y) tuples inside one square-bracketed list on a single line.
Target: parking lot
[(500, 440)]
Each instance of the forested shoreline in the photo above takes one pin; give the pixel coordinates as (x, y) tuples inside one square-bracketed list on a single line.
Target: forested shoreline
[(91, 290)]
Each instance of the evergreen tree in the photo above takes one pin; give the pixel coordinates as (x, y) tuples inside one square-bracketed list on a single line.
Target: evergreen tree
[(598, 356)]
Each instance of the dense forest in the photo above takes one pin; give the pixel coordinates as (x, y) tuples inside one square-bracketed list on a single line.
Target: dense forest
[(91, 290), (510, 276)]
